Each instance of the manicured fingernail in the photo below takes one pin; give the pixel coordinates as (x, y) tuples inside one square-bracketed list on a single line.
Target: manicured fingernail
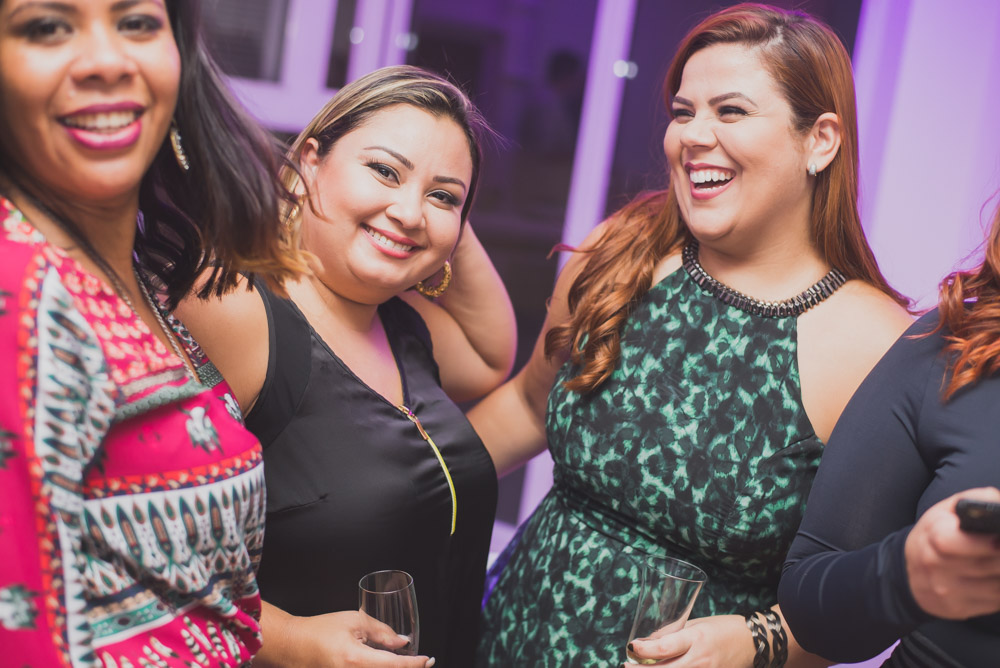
[(430, 662)]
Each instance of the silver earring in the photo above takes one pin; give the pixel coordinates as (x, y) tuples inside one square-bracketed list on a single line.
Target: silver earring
[(175, 142), (812, 169)]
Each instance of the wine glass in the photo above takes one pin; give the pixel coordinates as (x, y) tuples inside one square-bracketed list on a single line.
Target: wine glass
[(668, 588), (389, 597)]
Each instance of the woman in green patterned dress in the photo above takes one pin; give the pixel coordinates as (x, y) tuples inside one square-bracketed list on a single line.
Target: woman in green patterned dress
[(697, 352)]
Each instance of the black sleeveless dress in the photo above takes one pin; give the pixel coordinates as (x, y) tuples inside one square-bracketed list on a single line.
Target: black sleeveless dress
[(353, 487)]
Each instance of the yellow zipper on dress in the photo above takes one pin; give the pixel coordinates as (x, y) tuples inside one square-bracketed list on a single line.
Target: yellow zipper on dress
[(447, 474)]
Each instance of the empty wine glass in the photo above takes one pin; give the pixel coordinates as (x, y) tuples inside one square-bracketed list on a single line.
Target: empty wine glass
[(389, 597), (667, 590)]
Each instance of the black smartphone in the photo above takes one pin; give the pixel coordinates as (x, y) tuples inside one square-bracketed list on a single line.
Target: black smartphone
[(978, 516)]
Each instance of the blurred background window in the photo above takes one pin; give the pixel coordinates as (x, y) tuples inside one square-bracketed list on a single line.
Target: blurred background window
[(247, 36), (344, 36)]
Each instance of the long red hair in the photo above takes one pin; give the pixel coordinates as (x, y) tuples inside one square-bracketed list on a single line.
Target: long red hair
[(812, 68), (969, 306)]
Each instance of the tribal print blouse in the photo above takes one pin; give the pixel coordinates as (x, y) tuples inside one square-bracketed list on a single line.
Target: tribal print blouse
[(131, 496)]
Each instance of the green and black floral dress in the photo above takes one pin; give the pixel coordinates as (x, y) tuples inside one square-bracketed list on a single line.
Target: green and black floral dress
[(697, 447)]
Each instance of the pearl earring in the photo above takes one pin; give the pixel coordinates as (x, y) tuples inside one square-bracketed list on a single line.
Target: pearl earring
[(812, 169)]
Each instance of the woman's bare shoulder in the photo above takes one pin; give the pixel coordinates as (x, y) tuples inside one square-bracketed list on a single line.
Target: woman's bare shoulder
[(839, 342), (233, 332), (865, 313)]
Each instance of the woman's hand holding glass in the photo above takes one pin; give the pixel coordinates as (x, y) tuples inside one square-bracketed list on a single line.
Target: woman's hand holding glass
[(390, 598), (667, 591), (345, 639), (707, 642), (359, 640)]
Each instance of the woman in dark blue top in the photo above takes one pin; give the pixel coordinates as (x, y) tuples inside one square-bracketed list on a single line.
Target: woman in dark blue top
[(880, 555)]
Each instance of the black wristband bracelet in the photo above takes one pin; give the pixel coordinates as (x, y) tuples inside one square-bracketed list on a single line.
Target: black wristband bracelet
[(779, 640), (762, 652)]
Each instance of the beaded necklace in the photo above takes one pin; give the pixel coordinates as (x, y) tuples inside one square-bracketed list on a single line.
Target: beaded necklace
[(785, 308)]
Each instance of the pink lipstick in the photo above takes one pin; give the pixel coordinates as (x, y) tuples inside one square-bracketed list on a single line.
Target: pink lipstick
[(105, 127)]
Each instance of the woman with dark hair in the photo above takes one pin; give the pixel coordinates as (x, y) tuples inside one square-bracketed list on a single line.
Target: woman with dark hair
[(351, 383), (131, 496), (697, 352), (880, 554)]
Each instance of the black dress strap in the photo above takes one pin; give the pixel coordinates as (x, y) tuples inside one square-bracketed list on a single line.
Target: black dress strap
[(403, 318), (289, 337), (406, 329)]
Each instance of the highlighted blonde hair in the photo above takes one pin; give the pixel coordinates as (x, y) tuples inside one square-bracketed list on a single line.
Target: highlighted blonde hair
[(356, 102)]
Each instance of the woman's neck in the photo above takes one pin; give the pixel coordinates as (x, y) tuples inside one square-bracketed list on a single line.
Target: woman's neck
[(320, 302), (108, 227), (771, 272)]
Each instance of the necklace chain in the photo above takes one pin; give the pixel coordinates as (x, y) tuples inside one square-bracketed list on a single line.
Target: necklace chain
[(167, 330), (785, 308), (116, 283)]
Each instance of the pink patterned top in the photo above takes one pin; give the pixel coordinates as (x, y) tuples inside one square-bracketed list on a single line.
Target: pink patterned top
[(131, 497)]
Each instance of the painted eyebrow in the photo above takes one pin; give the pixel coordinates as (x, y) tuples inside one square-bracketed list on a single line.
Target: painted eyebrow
[(398, 156), (409, 165), (127, 4), (450, 179), (52, 6), (67, 8), (716, 100)]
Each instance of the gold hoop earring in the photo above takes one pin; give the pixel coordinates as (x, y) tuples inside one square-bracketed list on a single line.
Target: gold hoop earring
[(179, 154), (294, 210), (437, 290)]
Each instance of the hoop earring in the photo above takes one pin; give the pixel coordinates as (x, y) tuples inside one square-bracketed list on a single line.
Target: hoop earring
[(812, 169), (437, 290), (179, 154), (295, 209)]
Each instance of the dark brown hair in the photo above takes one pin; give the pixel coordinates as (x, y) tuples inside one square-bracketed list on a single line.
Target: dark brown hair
[(812, 68)]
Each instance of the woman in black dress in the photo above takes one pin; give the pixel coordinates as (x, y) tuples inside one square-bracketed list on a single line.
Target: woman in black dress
[(351, 383)]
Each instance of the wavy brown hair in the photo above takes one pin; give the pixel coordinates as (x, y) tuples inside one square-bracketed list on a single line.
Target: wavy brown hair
[(969, 306), (811, 67)]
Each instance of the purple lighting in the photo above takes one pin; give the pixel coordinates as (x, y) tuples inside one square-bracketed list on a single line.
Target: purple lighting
[(927, 78)]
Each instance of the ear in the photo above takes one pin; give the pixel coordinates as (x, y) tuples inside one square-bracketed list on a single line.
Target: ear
[(309, 164), (823, 141)]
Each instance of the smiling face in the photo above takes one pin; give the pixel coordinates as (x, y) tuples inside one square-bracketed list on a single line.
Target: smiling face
[(390, 195), (87, 91), (737, 166)]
